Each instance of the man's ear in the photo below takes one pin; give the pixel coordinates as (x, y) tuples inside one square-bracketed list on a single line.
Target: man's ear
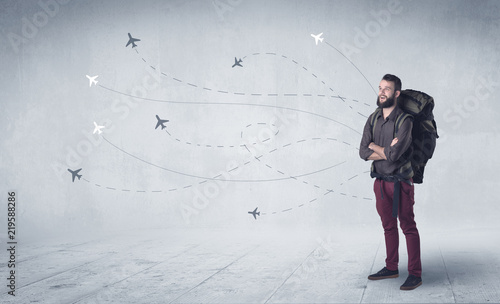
[(397, 93)]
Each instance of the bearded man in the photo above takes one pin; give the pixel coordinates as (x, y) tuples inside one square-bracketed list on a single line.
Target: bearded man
[(393, 186)]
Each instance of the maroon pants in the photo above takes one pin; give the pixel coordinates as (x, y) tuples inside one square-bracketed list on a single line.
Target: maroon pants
[(384, 192)]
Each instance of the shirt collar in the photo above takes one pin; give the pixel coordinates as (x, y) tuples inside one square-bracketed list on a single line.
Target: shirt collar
[(394, 114)]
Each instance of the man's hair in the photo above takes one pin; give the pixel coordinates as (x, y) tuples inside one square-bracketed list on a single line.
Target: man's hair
[(394, 79)]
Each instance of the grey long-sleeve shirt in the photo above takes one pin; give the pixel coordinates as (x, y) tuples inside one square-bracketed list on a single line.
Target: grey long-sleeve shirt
[(383, 136)]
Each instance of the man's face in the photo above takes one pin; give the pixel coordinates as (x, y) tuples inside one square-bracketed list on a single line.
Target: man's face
[(386, 94)]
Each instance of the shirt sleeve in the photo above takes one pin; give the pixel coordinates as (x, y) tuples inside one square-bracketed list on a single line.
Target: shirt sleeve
[(366, 139), (404, 140)]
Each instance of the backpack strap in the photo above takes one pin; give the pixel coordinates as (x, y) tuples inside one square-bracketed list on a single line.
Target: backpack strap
[(405, 172), (373, 120), (399, 121)]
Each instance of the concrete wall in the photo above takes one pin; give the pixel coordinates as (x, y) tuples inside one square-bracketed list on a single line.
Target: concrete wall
[(283, 104)]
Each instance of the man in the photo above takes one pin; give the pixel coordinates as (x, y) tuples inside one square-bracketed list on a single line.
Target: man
[(393, 185)]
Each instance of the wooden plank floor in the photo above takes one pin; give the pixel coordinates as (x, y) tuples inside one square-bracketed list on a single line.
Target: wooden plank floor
[(216, 266)]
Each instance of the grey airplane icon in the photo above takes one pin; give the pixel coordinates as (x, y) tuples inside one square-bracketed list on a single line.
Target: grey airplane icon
[(160, 123), (75, 174), (132, 41), (254, 213), (237, 62)]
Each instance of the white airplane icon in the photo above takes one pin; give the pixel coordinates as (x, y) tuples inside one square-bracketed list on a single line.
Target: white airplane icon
[(97, 128), (132, 40), (317, 37), (92, 79)]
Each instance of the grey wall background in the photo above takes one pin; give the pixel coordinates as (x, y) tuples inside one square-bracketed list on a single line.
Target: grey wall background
[(448, 49)]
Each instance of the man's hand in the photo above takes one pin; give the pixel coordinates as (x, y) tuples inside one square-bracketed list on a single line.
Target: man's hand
[(372, 145), (377, 150), (374, 156)]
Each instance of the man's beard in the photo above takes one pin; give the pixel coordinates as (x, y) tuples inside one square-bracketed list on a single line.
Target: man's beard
[(389, 102)]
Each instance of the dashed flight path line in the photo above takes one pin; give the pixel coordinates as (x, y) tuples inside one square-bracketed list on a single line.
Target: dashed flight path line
[(216, 178), (235, 104), (312, 74), (296, 177), (253, 143), (258, 158), (328, 191), (215, 146), (274, 94), (352, 63), (310, 202), (254, 157)]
